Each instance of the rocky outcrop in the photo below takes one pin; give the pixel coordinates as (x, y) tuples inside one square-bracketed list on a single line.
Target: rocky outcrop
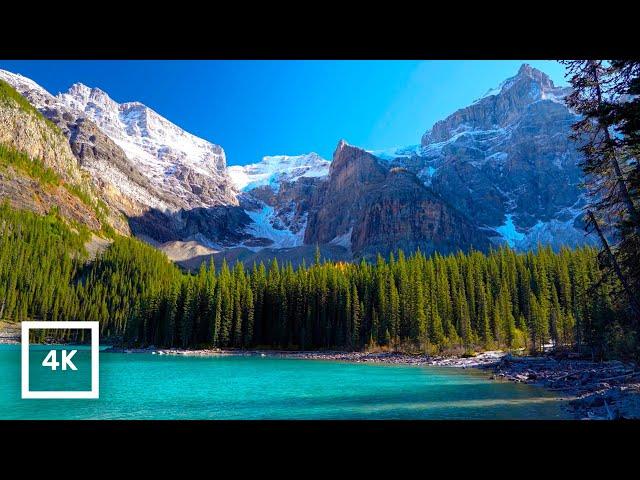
[(24, 193), (354, 174), (373, 209), (25, 130), (508, 159), (215, 227)]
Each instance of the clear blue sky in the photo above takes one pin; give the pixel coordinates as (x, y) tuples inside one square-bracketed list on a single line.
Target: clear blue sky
[(257, 108)]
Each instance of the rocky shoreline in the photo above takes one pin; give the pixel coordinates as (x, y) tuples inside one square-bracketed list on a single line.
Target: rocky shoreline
[(9, 333), (589, 390), (394, 358), (593, 390)]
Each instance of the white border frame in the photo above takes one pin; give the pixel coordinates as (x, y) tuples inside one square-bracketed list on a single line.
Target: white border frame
[(95, 352)]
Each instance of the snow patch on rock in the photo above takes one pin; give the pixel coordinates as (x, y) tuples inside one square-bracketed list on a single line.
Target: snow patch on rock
[(509, 232), (343, 240), (390, 154), (264, 225)]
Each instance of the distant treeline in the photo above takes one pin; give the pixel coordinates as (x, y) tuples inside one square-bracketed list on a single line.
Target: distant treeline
[(419, 303)]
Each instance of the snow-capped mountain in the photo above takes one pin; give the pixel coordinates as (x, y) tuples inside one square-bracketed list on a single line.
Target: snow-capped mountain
[(23, 130), (166, 167), (37, 96), (506, 160), (500, 170), (122, 186), (541, 86), (275, 194), (174, 161), (273, 170)]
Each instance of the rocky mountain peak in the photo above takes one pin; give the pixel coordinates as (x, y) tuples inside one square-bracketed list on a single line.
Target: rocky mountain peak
[(354, 165), (529, 83), (189, 168), (499, 107), (79, 90), (527, 70), (507, 158), (81, 97)]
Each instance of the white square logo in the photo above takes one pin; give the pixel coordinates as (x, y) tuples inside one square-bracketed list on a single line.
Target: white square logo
[(95, 350)]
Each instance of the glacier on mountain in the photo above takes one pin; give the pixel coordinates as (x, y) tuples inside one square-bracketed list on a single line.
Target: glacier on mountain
[(277, 168), (392, 153), (264, 225)]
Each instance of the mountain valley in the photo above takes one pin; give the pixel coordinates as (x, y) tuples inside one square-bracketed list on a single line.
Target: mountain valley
[(499, 171)]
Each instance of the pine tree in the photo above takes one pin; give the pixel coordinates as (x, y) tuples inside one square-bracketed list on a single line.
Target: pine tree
[(611, 171), (217, 315), (484, 323), (141, 298), (394, 313), (356, 314)]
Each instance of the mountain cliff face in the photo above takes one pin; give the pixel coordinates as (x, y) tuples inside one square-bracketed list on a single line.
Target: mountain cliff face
[(38, 170), (190, 170), (508, 159), (501, 170), (368, 208), (353, 176), (156, 175)]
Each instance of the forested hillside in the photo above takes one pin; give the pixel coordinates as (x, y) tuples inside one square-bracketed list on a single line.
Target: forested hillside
[(418, 303), (576, 299)]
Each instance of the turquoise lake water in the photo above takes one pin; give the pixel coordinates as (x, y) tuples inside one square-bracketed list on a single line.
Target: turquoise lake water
[(145, 386)]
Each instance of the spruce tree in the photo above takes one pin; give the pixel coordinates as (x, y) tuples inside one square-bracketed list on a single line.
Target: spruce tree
[(600, 95)]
